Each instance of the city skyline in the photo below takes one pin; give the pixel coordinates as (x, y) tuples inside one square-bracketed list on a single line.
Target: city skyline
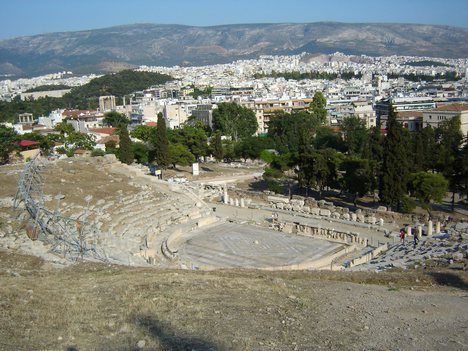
[(24, 18)]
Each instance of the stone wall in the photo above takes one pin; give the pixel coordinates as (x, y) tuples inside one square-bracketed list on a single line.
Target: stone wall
[(369, 256), (347, 238)]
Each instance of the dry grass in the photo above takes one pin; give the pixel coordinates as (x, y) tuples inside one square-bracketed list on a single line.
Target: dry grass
[(100, 307)]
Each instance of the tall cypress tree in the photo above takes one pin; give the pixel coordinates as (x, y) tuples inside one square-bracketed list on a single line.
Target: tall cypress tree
[(448, 150), (217, 147), (161, 143), (125, 146), (395, 167), (373, 150)]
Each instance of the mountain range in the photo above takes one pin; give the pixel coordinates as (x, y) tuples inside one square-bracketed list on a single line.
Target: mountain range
[(115, 48)]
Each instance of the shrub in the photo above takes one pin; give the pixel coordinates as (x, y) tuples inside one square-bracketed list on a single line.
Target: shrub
[(97, 152), (408, 204)]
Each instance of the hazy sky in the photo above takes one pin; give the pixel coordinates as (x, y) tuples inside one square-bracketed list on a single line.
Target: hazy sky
[(28, 17)]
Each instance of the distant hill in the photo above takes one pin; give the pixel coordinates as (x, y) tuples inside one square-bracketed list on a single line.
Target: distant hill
[(85, 96), (110, 49)]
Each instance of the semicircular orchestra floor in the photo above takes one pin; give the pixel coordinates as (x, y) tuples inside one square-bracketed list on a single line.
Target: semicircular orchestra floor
[(240, 246)]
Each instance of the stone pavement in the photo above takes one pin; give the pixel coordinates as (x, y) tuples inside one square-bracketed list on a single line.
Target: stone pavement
[(231, 245)]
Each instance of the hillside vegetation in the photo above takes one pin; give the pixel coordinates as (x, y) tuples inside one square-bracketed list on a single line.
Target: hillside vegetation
[(85, 96)]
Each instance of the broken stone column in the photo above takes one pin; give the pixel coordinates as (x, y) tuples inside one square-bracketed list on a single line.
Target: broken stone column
[(225, 195), (242, 202), (231, 201), (236, 202), (437, 230), (429, 228), (419, 231), (381, 222), (353, 217), (408, 231)]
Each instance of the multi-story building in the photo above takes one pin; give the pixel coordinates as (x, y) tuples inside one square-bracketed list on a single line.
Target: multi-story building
[(401, 104), (204, 113), (446, 112), (411, 120), (265, 109)]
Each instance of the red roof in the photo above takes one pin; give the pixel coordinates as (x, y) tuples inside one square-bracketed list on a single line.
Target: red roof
[(151, 124), (26, 143), (452, 107), (108, 130)]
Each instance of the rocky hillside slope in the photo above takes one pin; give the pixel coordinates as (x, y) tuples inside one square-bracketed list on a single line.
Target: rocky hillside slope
[(102, 49)]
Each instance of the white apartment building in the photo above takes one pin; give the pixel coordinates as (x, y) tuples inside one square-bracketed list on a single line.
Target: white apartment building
[(443, 113)]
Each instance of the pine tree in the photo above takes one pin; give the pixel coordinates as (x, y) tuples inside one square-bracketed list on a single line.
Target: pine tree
[(395, 165), (125, 146), (161, 144)]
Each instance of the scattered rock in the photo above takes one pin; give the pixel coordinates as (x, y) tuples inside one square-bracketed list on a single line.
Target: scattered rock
[(141, 344)]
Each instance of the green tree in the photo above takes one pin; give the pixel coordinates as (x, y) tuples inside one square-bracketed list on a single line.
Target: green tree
[(217, 146), (326, 137), (374, 153), (80, 141), (111, 147), (428, 187), (461, 170), (318, 169), (357, 178), (64, 128), (228, 150), (125, 153), (317, 107), (140, 152), (115, 119), (234, 120), (7, 143), (429, 148), (292, 132), (251, 147), (417, 146), (450, 139), (395, 167), (143, 132), (197, 92), (160, 144), (180, 155), (312, 170), (355, 135), (194, 138)]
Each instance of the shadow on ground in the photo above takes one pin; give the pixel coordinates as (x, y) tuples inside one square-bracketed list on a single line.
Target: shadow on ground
[(170, 339), (449, 279)]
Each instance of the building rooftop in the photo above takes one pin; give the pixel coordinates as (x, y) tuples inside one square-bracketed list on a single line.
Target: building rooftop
[(405, 114), (26, 143), (107, 130), (452, 107)]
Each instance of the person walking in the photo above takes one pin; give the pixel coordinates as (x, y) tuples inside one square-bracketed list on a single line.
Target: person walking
[(402, 235), (415, 240)]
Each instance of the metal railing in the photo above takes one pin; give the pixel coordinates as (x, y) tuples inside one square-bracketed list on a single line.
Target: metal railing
[(71, 237)]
